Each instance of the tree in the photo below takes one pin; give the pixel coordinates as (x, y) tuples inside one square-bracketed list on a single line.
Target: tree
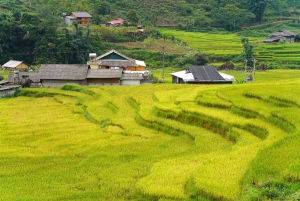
[(248, 51), (75, 46), (200, 59), (232, 16), (132, 16), (257, 7)]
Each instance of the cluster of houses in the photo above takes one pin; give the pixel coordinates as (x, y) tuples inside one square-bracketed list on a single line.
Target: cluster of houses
[(109, 69)]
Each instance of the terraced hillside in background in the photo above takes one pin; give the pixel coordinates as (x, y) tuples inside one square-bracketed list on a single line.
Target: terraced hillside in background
[(222, 45), (153, 142)]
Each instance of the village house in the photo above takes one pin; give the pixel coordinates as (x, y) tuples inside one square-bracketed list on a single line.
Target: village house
[(116, 60), (53, 75), (82, 18), (15, 65), (281, 35), (117, 22), (201, 75)]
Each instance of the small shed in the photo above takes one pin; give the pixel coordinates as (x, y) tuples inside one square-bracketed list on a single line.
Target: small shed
[(15, 65), (53, 75), (104, 77), (131, 79)]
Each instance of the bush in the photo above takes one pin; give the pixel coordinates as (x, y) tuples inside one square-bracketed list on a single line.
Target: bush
[(1, 77), (71, 87)]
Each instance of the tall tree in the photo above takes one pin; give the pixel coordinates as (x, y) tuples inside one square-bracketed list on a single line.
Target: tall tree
[(132, 16), (257, 7), (248, 51)]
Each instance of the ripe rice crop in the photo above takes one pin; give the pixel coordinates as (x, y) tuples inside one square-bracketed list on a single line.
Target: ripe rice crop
[(153, 142)]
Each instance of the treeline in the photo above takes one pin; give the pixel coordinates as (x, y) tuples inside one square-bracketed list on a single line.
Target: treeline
[(33, 30)]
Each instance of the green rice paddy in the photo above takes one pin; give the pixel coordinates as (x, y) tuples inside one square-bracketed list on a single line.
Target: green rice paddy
[(283, 54), (153, 142)]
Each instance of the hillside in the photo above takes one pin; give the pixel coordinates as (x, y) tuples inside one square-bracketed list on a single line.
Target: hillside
[(154, 142)]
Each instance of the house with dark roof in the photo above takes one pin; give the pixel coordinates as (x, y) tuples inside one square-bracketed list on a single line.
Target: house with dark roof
[(53, 75), (281, 35), (201, 75), (82, 18)]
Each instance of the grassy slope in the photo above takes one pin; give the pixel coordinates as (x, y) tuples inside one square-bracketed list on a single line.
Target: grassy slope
[(120, 143)]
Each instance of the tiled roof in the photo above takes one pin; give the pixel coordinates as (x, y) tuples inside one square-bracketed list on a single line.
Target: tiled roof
[(63, 71), (104, 73), (132, 76), (82, 14)]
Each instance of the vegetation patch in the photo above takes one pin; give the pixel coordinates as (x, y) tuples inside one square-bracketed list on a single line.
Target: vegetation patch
[(247, 113), (282, 122), (112, 107)]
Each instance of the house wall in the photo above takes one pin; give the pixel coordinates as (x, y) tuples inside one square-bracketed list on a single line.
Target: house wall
[(177, 80), (8, 91), (69, 22), (94, 65), (103, 81), (130, 82), (136, 68), (58, 83), (81, 20), (22, 66)]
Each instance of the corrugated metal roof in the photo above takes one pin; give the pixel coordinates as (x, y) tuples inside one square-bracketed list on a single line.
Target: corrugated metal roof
[(104, 73), (82, 14), (63, 71), (205, 74), (132, 76), (186, 76), (71, 18), (12, 64), (227, 77), (140, 63)]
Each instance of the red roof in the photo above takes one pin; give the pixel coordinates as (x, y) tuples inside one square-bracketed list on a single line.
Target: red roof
[(117, 21)]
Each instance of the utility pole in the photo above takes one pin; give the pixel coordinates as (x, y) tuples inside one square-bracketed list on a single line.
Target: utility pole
[(253, 72), (246, 70), (163, 67)]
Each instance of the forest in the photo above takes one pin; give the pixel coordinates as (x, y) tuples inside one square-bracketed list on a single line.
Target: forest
[(33, 30)]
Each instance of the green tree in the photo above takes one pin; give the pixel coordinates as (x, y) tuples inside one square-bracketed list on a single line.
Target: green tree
[(257, 7), (248, 51), (200, 59), (75, 46), (132, 16)]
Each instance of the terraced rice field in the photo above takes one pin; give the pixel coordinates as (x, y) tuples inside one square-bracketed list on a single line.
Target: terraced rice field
[(211, 43), (230, 44), (154, 142)]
